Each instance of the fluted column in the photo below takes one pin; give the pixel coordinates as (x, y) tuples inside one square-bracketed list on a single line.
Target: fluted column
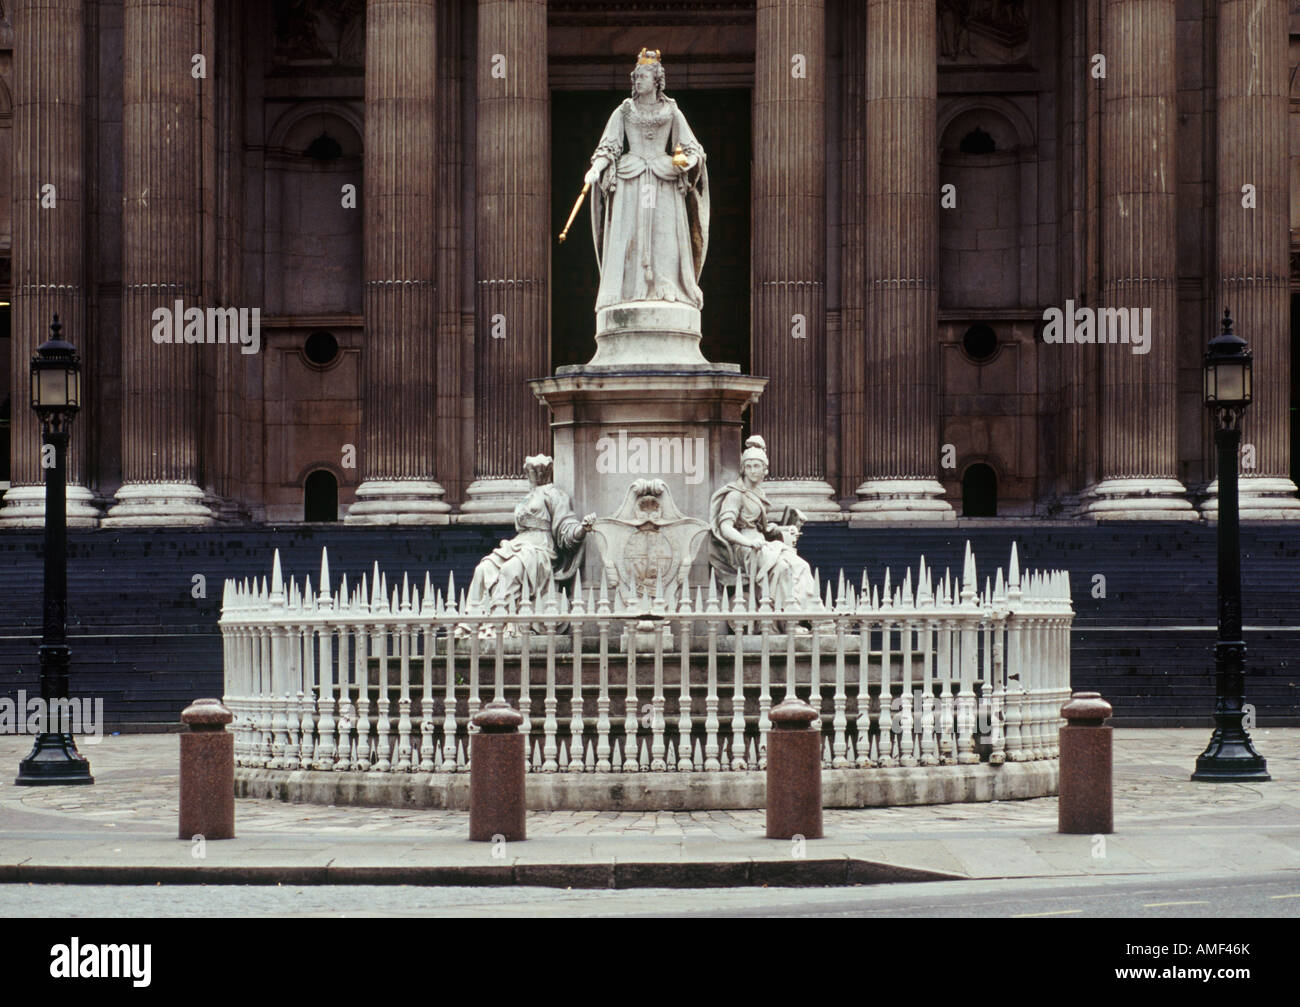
[(789, 250), (852, 257), (48, 245), (1138, 430), (1253, 242), (399, 405), (160, 266), (900, 379), (512, 251)]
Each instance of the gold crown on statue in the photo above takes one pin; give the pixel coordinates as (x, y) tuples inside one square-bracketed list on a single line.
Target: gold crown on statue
[(647, 56)]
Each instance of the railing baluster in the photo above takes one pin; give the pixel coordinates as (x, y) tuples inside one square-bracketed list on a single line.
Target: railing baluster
[(839, 718), (577, 720), (685, 752), (885, 741), (630, 754), (711, 762), (738, 678), (658, 751), (603, 764), (767, 626), (449, 731)]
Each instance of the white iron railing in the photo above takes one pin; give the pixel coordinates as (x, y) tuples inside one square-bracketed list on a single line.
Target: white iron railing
[(373, 678)]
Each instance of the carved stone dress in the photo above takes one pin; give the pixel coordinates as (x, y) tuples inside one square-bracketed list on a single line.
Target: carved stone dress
[(548, 546), (776, 562), (650, 221)]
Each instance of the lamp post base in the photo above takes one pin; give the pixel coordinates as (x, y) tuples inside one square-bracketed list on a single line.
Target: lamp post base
[(54, 761), (1231, 758)]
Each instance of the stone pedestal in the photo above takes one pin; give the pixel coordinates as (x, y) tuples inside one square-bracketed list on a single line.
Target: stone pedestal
[(678, 423)]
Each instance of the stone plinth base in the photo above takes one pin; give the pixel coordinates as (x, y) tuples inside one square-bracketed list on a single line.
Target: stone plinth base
[(841, 788), (648, 332), (399, 501), (615, 425), (24, 507), (492, 501), (1259, 498), (1138, 500), (900, 500), (815, 498), (155, 504)]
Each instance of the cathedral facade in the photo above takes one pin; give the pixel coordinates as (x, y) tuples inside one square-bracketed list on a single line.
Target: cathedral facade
[(307, 248)]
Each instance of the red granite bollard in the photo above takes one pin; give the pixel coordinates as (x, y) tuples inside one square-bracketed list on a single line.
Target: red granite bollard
[(496, 775), (207, 772), (1086, 805), (794, 771)]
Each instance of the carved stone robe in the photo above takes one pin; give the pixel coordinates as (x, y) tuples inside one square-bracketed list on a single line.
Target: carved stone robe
[(650, 221)]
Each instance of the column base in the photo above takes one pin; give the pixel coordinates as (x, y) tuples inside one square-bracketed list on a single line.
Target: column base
[(24, 507), (900, 500), (815, 498), (159, 504), (1137, 500), (399, 501), (1259, 498), (492, 501)]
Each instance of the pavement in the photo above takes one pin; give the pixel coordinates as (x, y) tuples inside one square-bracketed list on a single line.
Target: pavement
[(123, 830)]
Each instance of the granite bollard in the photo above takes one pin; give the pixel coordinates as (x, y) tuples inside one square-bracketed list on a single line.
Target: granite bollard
[(496, 775), (207, 772), (794, 771), (1086, 805)]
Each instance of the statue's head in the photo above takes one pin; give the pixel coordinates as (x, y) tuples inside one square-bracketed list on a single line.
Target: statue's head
[(753, 460), (648, 74), (539, 469)]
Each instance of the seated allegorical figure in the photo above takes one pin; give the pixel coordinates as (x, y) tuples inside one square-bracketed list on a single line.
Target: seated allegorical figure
[(548, 547), (744, 539)]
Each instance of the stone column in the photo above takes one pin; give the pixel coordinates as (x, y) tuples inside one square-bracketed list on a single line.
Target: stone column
[(1137, 417), (1253, 242), (161, 414), (399, 405), (48, 241), (512, 231), (900, 379), (789, 251)]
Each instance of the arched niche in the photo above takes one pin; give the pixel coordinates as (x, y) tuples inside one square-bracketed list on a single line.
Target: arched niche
[(314, 240), (987, 248)]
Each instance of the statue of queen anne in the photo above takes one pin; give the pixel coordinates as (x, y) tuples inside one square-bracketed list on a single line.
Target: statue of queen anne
[(650, 202)]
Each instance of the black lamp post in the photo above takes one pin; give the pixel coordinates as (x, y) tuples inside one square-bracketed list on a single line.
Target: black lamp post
[(56, 397), (1230, 757)]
